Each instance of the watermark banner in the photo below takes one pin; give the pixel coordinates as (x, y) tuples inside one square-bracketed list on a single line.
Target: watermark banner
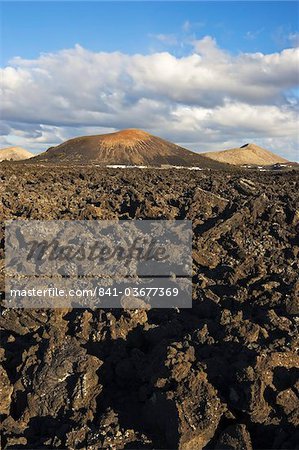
[(105, 264)]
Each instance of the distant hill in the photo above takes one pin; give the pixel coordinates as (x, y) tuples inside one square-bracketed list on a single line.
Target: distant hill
[(14, 154), (250, 154), (126, 147)]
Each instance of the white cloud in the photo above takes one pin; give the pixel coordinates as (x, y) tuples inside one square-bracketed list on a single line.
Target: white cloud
[(205, 100)]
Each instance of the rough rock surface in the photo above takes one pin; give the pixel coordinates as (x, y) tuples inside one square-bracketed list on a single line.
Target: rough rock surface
[(223, 375)]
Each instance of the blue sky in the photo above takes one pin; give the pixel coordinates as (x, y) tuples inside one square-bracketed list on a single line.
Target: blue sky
[(206, 75), (29, 28)]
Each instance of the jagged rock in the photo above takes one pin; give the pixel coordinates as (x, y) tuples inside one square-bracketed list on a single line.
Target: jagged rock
[(272, 373), (188, 417), (288, 400), (245, 186), (235, 437), (292, 304), (6, 389)]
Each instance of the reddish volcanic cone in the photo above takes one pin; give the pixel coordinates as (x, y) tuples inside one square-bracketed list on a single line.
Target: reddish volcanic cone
[(126, 147)]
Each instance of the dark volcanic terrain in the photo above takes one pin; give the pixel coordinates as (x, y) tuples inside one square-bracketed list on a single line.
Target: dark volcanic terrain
[(222, 375)]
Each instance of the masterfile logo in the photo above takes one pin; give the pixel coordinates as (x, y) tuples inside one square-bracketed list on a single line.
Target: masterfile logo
[(98, 263)]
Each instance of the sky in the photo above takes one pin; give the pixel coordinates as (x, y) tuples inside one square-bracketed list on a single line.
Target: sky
[(206, 75)]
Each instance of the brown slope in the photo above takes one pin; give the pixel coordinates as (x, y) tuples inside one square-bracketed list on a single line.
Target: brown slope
[(129, 147), (14, 154), (247, 154)]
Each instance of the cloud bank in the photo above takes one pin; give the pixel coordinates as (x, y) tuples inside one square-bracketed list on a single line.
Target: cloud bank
[(207, 100)]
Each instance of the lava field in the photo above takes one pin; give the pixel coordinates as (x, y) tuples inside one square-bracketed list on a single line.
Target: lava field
[(222, 375)]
